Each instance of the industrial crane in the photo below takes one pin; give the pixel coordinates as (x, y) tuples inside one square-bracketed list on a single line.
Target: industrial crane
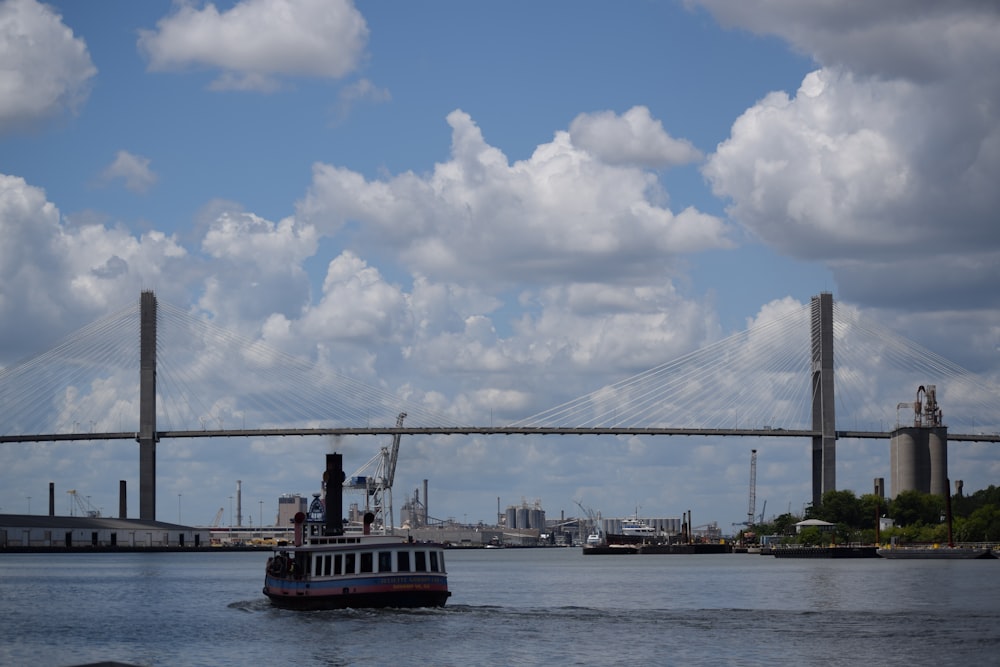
[(83, 505), (593, 519), (218, 517), (377, 484)]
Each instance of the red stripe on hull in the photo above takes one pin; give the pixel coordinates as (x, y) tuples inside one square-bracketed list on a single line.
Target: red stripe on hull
[(377, 592)]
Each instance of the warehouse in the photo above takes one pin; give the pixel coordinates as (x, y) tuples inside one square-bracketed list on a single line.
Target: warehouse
[(29, 531)]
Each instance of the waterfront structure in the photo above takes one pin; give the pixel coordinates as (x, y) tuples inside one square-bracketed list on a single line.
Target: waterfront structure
[(30, 531), (918, 454), (526, 517)]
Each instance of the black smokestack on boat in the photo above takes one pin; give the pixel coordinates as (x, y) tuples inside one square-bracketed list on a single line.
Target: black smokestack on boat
[(334, 479)]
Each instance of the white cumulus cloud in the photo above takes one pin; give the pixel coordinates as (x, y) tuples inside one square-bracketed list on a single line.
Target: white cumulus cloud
[(256, 42), (132, 169), (44, 68), (563, 214), (54, 275), (634, 137), (884, 163)]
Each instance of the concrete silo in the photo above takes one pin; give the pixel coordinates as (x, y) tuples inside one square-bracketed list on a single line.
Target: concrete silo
[(918, 454)]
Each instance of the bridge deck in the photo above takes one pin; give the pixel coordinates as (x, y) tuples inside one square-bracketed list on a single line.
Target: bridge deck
[(474, 430)]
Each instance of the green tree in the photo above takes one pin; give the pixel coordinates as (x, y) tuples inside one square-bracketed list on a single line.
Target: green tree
[(813, 536), (983, 525), (915, 508), (840, 507), (871, 507), (963, 506), (784, 524)]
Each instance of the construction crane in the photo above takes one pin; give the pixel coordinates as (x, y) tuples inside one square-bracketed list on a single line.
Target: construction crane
[(394, 455), (218, 517), (376, 478), (593, 519), (751, 509), (86, 509)]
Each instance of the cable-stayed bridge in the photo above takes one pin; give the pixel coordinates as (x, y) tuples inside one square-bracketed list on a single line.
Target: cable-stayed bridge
[(775, 379)]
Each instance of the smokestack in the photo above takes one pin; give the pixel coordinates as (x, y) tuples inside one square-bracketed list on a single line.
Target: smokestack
[(122, 505), (425, 503), (52, 498), (239, 501), (333, 479)]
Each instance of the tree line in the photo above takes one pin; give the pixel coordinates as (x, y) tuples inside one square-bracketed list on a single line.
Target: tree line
[(917, 518)]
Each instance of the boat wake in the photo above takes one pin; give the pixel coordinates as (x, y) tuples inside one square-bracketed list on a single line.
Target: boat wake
[(251, 606)]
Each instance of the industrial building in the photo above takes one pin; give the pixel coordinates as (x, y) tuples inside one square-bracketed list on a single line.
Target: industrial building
[(524, 516), (93, 531), (918, 454), (73, 532), (289, 504)]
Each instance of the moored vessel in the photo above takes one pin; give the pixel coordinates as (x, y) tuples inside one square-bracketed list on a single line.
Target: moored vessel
[(325, 568), (935, 552)]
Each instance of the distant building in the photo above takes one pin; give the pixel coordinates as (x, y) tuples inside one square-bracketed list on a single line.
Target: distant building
[(35, 531), (288, 505), (526, 517)]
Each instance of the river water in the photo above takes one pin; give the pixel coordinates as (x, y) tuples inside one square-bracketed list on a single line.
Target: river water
[(508, 607)]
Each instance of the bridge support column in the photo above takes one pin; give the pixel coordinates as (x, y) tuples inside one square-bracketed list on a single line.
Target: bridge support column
[(147, 407), (824, 453)]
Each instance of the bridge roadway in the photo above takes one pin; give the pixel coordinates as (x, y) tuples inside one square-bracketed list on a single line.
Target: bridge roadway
[(476, 430)]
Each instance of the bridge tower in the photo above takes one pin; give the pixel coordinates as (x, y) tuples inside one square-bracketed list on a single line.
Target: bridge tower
[(824, 453), (147, 406)]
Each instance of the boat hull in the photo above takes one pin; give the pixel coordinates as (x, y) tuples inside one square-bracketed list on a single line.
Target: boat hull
[(369, 592), (913, 553), (824, 552)]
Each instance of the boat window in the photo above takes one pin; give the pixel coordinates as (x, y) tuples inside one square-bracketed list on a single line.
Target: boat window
[(434, 561), (441, 559), (366, 561), (403, 561), (326, 565), (349, 563), (420, 561), (338, 564), (385, 561)]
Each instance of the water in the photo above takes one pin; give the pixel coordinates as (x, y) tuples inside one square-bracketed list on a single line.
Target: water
[(509, 607)]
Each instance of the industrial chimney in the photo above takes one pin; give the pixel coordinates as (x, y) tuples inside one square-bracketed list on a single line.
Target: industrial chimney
[(122, 506)]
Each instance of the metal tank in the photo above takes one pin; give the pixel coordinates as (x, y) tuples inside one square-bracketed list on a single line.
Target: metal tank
[(522, 517)]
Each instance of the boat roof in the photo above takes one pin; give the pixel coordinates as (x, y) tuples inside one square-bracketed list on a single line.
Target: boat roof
[(814, 522)]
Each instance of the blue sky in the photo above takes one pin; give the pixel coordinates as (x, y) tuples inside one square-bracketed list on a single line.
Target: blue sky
[(375, 182)]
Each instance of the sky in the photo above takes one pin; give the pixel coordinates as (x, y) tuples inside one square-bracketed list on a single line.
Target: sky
[(438, 197)]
